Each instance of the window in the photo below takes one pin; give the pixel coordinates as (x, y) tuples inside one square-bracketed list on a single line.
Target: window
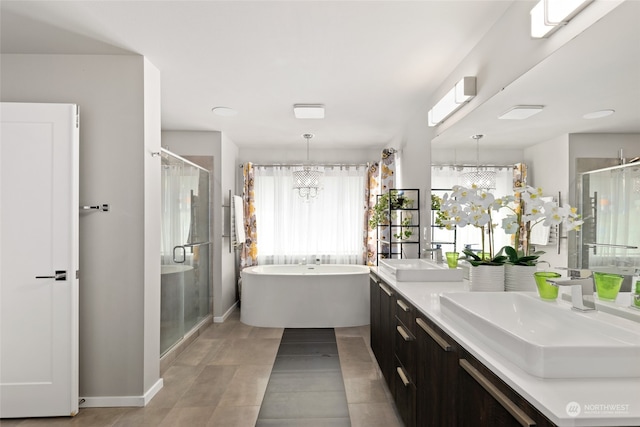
[(445, 177), (330, 227)]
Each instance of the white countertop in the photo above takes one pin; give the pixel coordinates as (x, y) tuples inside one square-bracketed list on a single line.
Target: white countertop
[(602, 402)]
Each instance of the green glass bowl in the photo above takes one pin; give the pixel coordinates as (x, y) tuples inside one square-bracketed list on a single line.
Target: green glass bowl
[(546, 290), (607, 285)]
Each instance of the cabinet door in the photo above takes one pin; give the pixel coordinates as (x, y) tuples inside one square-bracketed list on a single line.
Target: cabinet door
[(374, 313), (387, 333), (488, 401), (436, 376)]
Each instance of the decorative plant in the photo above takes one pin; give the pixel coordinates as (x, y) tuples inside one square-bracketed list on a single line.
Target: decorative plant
[(405, 233), (475, 260), (436, 204), (528, 209), (518, 258), (394, 198), (473, 206)]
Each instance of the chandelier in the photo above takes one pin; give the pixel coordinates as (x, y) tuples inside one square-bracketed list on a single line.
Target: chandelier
[(483, 179), (307, 180)]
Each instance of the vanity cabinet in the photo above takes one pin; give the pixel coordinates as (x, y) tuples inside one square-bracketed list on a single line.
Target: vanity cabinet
[(405, 358), (433, 379), (437, 375), (383, 330), (487, 400)]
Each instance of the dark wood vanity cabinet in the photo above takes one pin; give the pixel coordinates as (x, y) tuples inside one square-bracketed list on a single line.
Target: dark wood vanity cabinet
[(405, 367), (487, 400), (436, 378), (433, 379), (383, 327)]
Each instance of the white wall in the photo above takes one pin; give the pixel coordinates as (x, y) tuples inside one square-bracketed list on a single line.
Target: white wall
[(119, 268), (152, 223), (228, 174), (548, 168), (225, 161)]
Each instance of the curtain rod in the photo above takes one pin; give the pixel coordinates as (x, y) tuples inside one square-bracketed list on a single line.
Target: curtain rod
[(301, 164), (449, 165)]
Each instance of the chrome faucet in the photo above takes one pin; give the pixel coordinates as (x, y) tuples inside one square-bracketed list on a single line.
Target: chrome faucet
[(436, 254), (581, 291)]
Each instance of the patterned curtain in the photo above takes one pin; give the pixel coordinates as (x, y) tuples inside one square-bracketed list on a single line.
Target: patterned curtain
[(372, 190), (249, 253), (381, 179), (519, 181)]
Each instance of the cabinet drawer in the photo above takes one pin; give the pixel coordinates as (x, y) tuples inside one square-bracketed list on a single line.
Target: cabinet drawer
[(405, 395), (405, 348), (406, 313)]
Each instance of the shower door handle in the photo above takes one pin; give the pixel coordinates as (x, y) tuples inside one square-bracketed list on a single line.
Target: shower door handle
[(59, 276), (184, 254)]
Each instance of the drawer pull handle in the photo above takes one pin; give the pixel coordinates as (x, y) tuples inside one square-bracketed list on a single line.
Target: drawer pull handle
[(385, 289), (503, 400), (433, 334), (402, 305), (405, 336), (402, 376)]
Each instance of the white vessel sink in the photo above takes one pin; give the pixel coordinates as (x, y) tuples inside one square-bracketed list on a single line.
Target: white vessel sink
[(420, 270), (547, 339)]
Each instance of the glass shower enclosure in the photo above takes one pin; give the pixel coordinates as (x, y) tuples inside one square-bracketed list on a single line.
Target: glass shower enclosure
[(610, 206), (185, 249)]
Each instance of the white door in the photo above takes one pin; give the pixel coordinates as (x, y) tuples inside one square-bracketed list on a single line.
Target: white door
[(38, 260)]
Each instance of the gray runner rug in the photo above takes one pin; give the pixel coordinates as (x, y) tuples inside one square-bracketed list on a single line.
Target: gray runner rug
[(305, 388)]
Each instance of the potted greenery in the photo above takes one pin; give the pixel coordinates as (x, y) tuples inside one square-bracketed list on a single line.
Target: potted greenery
[(436, 205), (474, 206), (394, 198), (528, 209)]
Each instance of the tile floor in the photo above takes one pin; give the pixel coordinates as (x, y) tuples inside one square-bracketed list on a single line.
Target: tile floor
[(221, 379)]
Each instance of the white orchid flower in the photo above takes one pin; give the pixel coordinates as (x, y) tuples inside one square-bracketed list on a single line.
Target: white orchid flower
[(510, 224)]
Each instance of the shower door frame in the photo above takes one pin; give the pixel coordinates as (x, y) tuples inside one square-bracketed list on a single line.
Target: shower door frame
[(187, 245)]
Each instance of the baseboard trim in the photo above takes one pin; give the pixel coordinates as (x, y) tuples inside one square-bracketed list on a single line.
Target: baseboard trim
[(221, 319), (153, 390), (122, 401)]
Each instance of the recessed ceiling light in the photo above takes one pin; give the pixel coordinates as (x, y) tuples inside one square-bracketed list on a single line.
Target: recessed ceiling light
[(308, 111), (224, 111), (598, 114), (521, 112)]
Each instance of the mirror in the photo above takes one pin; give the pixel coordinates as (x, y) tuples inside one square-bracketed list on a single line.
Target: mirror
[(610, 236)]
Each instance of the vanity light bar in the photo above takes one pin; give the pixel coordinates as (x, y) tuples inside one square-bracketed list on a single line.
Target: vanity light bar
[(547, 16), (461, 93)]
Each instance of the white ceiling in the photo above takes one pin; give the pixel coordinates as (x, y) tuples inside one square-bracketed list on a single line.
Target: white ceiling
[(374, 65)]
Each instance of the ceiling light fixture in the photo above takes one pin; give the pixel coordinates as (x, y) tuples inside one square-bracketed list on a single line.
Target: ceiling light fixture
[(308, 111), (461, 93), (547, 16), (307, 179), (598, 114), (483, 179), (224, 111), (521, 112)]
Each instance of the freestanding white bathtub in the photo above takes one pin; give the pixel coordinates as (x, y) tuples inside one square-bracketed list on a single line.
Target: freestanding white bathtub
[(305, 296)]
